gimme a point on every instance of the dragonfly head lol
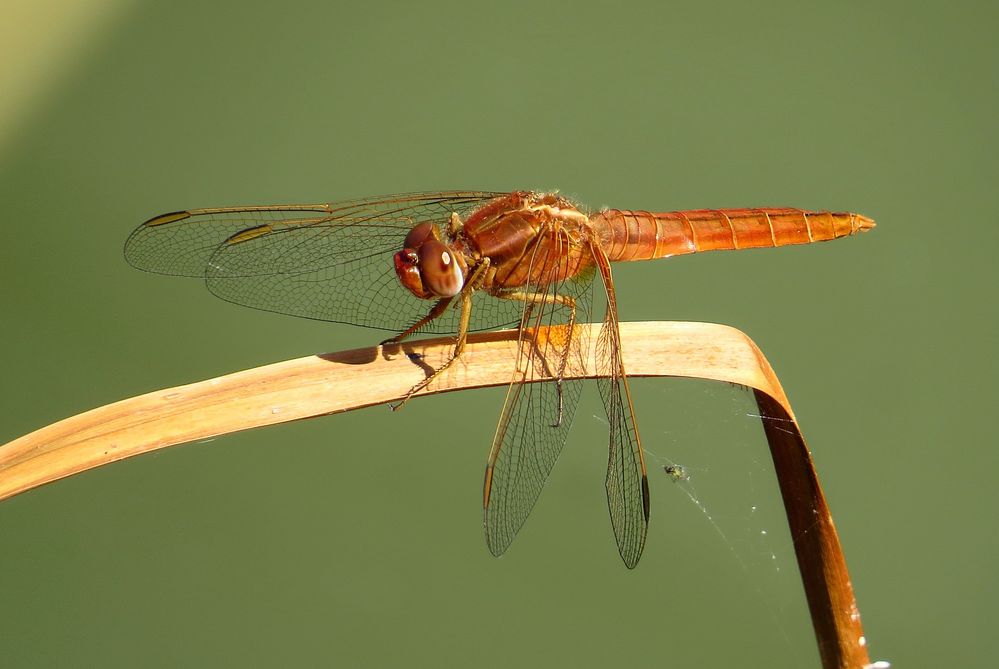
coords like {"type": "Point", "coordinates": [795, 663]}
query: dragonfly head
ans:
{"type": "Point", "coordinates": [426, 266]}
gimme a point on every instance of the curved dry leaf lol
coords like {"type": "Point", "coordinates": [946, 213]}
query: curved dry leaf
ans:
{"type": "Point", "coordinates": [336, 382]}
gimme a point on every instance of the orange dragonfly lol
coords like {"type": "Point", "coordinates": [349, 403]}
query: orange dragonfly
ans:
{"type": "Point", "coordinates": [456, 261]}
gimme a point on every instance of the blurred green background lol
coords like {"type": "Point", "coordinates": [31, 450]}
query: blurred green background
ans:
{"type": "Point", "coordinates": [356, 540]}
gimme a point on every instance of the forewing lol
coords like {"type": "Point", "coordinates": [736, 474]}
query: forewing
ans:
{"type": "Point", "coordinates": [330, 262]}
{"type": "Point", "coordinates": [536, 416]}
{"type": "Point", "coordinates": [627, 484]}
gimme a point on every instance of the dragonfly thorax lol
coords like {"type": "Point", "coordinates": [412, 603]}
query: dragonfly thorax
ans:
{"type": "Point", "coordinates": [427, 267]}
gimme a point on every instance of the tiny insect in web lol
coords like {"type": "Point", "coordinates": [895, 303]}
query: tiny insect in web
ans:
{"type": "Point", "coordinates": [676, 472]}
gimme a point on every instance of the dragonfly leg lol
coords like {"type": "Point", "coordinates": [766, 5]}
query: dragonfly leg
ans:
{"type": "Point", "coordinates": [466, 312]}
{"type": "Point", "coordinates": [439, 308]}
{"type": "Point", "coordinates": [533, 299]}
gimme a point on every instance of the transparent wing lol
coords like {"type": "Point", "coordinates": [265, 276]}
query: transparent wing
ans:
{"type": "Point", "coordinates": [330, 262]}
{"type": "Point", "coordinates": [536, 417]}
{"type": "Point", "coordinates": [627, 484]}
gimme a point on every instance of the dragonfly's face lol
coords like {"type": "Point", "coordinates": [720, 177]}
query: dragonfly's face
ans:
{"type": "Point", "coordinates": [426, 266]}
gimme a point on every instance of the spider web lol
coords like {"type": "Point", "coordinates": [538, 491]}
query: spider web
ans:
{"type": "Point", "coordinates": [715, 498]}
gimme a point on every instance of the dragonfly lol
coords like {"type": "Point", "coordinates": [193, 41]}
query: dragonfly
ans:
{"type": "Point", "coordinates": [453, 262]}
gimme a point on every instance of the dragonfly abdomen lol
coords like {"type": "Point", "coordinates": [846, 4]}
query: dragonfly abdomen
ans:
{"type": "Point", "coordinates": [642, 235]}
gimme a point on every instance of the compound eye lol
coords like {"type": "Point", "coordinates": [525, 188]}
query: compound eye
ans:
{"type": "Point", "coordinates": [420, 233]}
{"type": "Point", "coordinates": [439, 269]}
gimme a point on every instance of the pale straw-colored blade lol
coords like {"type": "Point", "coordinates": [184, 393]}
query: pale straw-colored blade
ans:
{"type": "Point", "coordinates": [336, 382]}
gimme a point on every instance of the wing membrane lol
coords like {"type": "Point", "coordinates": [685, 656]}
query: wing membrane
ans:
{"type": "Point", "coordinates": [536, 417]}
{"type": "Point", "coordinates": [627, 484]}
{"type": "Point", "coordinates": [330, 262]}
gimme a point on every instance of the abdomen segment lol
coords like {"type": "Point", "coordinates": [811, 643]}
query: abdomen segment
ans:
{"type": "Point", "coordinates": [643, 235]}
